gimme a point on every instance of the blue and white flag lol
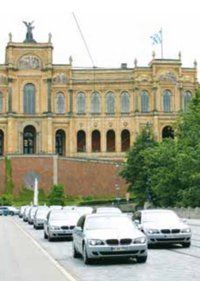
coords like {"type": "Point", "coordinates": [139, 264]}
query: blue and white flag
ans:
{"type": "Point", "coordinates": [157, 38]}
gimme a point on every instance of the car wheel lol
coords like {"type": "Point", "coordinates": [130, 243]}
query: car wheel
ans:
{"type": "Point", "coordinates": [85, 256]}
{"type": "Point", "coordinates": [45, 235]}
{"type": "Point", "coordinates": [186, 244]}
{"type": "Point", "coordinates": [76, 254]}
{"type": "Point", "coordinates": [142, 259]}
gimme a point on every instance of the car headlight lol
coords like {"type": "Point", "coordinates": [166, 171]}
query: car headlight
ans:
{"type": "Point", "coordinates": [54, 227]}
{"type": "Point", "coordinates": [152, 231]}
{"type": "Point", "coordinates": [95, 242]}
{"type": "Point", "coordinates": [139, 240]}
{"type": "Point", "coordinates": [186, 230]}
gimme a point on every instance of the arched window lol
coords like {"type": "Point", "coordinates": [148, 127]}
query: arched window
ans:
{"type": "Point", "coordinates": [167, 132]}
{"type": "Point", "coordinates": [96, 141]}
{"type": "Point", "coordinates": [60, 142]}
{"type": "Point", "coordinates": [60, 103]}
{"type": "Point", "coordinates": [29, 99]}
{"type": "Point", "coordinates": [80, 103]}
{"type": "Point", "coordinates": [1, 103]}
{"type": "Point", "coordinates": [125, 102]}
{"type": "Point", "coordinates": [187, 96]}
{"type": "Point", "coordinates": [95, 103]}
{"type": "Point", "coordinates": [29, 140]}
{"type": "Point", "coordinates": [110, 103]}
{"type": "Point", "coordinates": [144, 101]}
{"type": "Point", "coordinates": [81, 141]}
{"type": "Point", "coordinates": [110, 141]}
{"type": "Point", "coordinates": [167, 101]}
{"type": "Point", "coordinates": [125, 140]}
{"type": "Point", "coordinates": [1, 142]}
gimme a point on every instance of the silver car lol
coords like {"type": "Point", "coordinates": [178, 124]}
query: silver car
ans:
{"type": "Point", "coordinates": [99, 236]}
{"type": "Point", "coordinates": [40, 216]}
{"type": "Point", "coordinates": [163, 226]}
{"type": "Point", "coordinates": [60, 224]}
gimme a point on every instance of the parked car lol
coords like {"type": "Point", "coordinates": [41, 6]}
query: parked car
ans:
{"type": "Point", "coordinates": [163, 227]}
{"type": "Point", "coordinates": [31, 214]}
{"type": "Point", "coordinates": [99, 236]}
{"type": "Point", "coordinates": [40, 216]}
{"type": "Point", "coordinates": [4, 211]}
{"type": "Point", "coordinates": [13, 210]}
{"type": "Point", "coordinates": [25, 213]}
{"type": "Point", "coordinates": [113, 210]}
{"type": "Point", "coordinates": [60, 223]}
{"type": "Point", "coordinates": [21, 211]}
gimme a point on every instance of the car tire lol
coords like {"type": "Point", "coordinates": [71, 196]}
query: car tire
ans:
{"type": "Point", "coordinates": [186, 244]}
{"type": "Point", "coordinates": [50, 238]}
{"type": "Point", "coordinates": [85, 256]}
{"type": "Point", "coordinates": [76, 254]}
{"type": "Point", "coordinates": [142, 259]}
{"type": "Point", "coordinates": [45, 235]}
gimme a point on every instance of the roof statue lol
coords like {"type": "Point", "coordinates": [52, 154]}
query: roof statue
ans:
{"type": "Point", "coordinates": [29, 34]}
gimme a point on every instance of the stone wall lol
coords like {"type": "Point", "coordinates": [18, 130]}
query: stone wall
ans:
{"type": "Point", "coordinates": [80, 177]}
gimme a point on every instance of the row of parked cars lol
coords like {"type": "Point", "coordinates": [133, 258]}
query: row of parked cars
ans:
{"type": "Point", "coordinates": [107, 232]}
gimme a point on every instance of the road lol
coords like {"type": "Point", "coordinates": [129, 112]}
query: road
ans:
{"type": "Point", "coordinates": [31, 257]}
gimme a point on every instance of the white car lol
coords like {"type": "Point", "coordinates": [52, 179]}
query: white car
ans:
{"type": "Point", "coordinates": [163, 226]}
{"type": "Point", "coordinates": [60, 224]}
{"type": "Point", "coordinates": [98, 236]}
{"type": "Point", "coordinates": [40, 216]}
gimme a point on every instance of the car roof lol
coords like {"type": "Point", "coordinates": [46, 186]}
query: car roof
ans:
{"type": "Point", "coordinates": [98, 215]}
{"type": "Point", "coordinates": [156, 211]}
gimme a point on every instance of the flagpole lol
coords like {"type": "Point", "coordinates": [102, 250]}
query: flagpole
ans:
{"type": "Point", "coordinates": [161, 35]}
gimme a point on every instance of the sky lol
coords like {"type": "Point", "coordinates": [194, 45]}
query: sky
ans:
{"type": "Point", "coordinates": [115, 31]}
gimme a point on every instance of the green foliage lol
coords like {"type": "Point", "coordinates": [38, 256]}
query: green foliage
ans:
{"type": "Point", "coordinates": [6, 200]}
{"type": "Point", "coordinates": [25, 197]}
{"type": "Point", "coordinates": [8, 176]}
{"type": "Point", "coordinates": [56, 195]}
{"type": "Point", "coordinates": [135, 171]}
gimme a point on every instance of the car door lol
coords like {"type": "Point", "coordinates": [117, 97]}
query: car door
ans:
{"type": "Point", "coordinates": [79, 233]}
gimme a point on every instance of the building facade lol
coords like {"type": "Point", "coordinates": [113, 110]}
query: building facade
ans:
{"type": "Point", "coordinates": [49, 109]}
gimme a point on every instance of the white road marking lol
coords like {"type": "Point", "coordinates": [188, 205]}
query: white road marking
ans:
{"type": "Point", "coordinates": [58, 266]}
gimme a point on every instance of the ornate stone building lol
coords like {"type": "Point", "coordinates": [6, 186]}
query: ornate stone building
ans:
{"type": "Point", "coordinates": [48, 109]}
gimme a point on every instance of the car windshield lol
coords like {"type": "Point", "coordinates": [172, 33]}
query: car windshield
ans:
{"type": "Point", "coordinates": [42, 212]}
{"type": "Point", "coordinates": [160, 217]}
{"type": "Point", "coordinates": [63, 216]}
{"type": "Point", "coordinates": [108, 222]}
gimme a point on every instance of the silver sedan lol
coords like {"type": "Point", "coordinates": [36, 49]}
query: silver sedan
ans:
{"type": "Point", "coordinates": [163, 226]}
{"type": "Point", "coordinates": [99, 236]}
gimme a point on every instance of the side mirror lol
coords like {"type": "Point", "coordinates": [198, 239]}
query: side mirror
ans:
{"type": "Point", "coordinates": [78, 228]}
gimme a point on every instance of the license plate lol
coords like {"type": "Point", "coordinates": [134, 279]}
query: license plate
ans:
{"type": "Point", "coordinates": [119, 249]}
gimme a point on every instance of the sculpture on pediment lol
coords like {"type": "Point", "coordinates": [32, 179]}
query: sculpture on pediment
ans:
{"type": "Point", "coordinates": [60, 79]}
{"type": "Point", "coordinates": [29, 62]}
{"type": "Point", "coordinates": [29, 34]}
{"type": "Point", "coordinates": [168, 76]}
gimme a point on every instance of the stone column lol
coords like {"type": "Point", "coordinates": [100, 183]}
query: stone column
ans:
{"type": "Point", "coordinates": [136, 92]}
{"type": "Point", "coordinates": [10, 95]}
{"type": "Point", "coordinates": [155, 109]}
{"type": "Point", "coordinates": [49, 83]}
{"type": "Point", "coordinates": [70, 101]}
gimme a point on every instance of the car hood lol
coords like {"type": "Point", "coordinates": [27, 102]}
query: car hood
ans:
{"type": "Point", "coordinates": [63, 222]}
{"type": "Point", "coordinates": [164, 225]}
{"type": "Point", "coordinates": [113, 234]}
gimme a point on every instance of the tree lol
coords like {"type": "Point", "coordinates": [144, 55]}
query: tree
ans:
{"type": "Point", "coordinates": [57, 196]}
{"type": "Point", "coordinates": [135, 171]}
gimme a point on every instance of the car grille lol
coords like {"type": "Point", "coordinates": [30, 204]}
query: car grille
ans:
{"type": "Point", "coordinates": [168, 231]}
{"type": "Point", "coordinates": [126, 241]}
{"type": "Point", "coordinates": [169, 239]}
{"type": "Point", "coordinates": [112, 253]}
{"type": "Point", "coordinates": [66, 227]}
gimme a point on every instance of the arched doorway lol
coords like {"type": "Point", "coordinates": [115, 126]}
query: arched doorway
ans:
{"type": "Point", "coordinates": [60, 142]}
{"type": "Point", "coordinates": [29, 140]}
{"type": "Point", "coordinates": [81, 141]}
{"type": "Point", "coordinates": [96, 141]}
{"type": "Point", "coordinates": [125, 140]}
{"type": "Point", "coordinates": [167, 132]}
{"type": "Point", "coordinates": [1, 142]}
{"type": "Point", "coordinates": [110, 141]}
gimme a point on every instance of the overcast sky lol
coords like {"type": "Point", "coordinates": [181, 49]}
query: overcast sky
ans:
{"type": "Point", "coordinates": [115, 31]}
